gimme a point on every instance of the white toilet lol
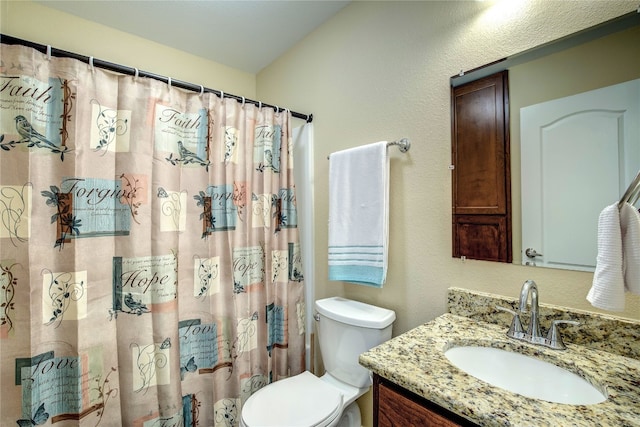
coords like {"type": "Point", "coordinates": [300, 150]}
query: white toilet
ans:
{"type": "Point", "coordinates": [345, 330]}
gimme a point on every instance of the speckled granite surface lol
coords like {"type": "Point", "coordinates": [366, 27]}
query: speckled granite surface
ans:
{"type": "Point", "coordinates": [415, 360]}
{"type": "Point", "coordinates": [598, 331]}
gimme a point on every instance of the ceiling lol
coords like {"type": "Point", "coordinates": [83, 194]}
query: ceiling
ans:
{"type": "Point", "coordinates": [243, 34]}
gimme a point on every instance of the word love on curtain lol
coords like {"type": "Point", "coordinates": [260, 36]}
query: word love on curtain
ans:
{"type": "Point", "coordinates": [150, 264]}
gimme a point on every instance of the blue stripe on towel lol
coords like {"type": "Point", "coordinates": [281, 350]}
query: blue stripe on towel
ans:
{"type": "Point", "coordinates": [371, 251]}
{"type": "Point", "coordinates": [357, 264]}
{"type": "Point", "coordinates": [361, 274]}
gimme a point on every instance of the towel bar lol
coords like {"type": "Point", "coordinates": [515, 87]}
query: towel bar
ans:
{"type": "Point", "coordinates": [632, 193]}
{"type": "Point", "coordinates": [403, 145]}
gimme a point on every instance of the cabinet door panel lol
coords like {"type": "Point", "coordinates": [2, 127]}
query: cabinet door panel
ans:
{"type": "Point", "coordinates": [480, 237]}
{"type": "Point", "coordinates": [396, 407]}
{"type": "Point", "coordinates": [479, 147]}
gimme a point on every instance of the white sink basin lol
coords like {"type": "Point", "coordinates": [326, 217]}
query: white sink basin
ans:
{"type": "Point", "coordinates": [524, 375]}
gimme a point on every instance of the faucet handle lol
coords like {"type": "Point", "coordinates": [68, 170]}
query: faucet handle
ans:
{"type": "Point", "coordinates": [508, 310]}
{"type": "Point", "coordinates": [516, 325]}
{"type": "Point", "coordinates": [554, 339]}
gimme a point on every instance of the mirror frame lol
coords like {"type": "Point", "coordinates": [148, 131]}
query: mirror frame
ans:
{"type": "Point", "coordinates": [612, 26]}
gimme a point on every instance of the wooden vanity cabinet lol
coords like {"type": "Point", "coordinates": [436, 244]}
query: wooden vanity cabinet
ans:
{"type": "Point", "coordinates": [394, 406]}
{"type": "Point", "coordinates": [481, 177]}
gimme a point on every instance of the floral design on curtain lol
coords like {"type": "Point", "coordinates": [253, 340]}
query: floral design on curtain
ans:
{"type": "Point", "coordinates": [150, 266]}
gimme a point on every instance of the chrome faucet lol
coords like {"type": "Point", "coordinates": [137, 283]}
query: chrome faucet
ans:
{"type": "Point", "coordinates": [530, 288]}
{"type": "Point", "coordinates": [533, 335]}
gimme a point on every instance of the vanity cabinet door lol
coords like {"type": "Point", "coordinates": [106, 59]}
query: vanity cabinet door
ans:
{"type": "Point", "coordinates": [481, 178]}
{"type": "Point", "coordinates": [472, 233]}
{"type": "Point", "coordinates": [396, 407]}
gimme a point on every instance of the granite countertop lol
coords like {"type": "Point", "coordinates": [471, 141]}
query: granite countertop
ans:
{"type": "Point", "coordinates": [415, 360]}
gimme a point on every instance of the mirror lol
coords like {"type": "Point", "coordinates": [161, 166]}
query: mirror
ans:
{"type": "Point", "coordinates": [603, 56]}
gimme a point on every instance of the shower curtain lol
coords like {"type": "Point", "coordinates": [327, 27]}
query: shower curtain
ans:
{"type": "Point", "coordinates": [150, 265]}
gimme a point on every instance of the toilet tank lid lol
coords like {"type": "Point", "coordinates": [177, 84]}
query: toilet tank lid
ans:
{"type": "Point", "coordinates": [355, 313]}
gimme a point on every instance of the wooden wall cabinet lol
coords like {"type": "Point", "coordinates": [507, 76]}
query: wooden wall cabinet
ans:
{"type": "Point", "coordinates": [394, 406]}
{"type": "Point", "coordinates": [481, 177]}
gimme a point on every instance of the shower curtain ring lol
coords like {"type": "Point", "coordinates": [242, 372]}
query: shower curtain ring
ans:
{"type": "Point", "coordinates": [91, 63]}
{"type": "Point", "coordinates": [243, 101]}
{"type": "Point", "coordinates": [169, 82]}
{"type": "Point", "coordinates": [48, 52]}
{"type": "Point", "coordinates": [201, 90]}
{"type": "Point", "coordinates": [136, 73]}
{"type": "Point", "coordinates": [259, 105]}
{"type": "Point", "coordinates": [222, 95]}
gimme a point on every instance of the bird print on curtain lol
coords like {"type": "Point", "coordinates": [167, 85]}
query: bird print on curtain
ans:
{"type": "Point", "coordinates": [149, 253]}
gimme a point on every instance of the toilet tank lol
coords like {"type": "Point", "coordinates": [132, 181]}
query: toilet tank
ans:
{"type": "Point", "coordinates": [347, 329]}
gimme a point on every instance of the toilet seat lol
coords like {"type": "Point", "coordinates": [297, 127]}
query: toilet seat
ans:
{"type": "Point", "coordinates": [300, 401]}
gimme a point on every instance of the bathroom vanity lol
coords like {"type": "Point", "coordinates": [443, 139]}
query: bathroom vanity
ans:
{"type": "Point", "coordinates": [415, 383]}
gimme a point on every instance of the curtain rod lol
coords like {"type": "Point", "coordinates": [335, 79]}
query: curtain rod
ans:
{"type": "Point", "coordinates": [123, 69]}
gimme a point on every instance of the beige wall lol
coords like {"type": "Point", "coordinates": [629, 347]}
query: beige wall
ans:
{"type": "Point", "coordinates": [377, 70]}
{"type": "Point", "coordinates": [34, 22]}
{"type": "Point", "coordinates": [380, 70]}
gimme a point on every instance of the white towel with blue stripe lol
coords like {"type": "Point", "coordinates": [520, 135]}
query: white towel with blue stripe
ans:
{"type": "Point", "coordinates": [359, 214]}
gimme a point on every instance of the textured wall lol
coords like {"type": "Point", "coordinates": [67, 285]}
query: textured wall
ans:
{"type": "Point", "coordinates": [380, 70]}
{"type": "Point", "coordinates": [377, 70]}
{"type": "Point", "coordinates": [37, 23]}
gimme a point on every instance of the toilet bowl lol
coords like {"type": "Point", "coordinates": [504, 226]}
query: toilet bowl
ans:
{"type": "Point", "coordinates": [346, 329]}
{"type": "Point", "coordinates": [303, 400]}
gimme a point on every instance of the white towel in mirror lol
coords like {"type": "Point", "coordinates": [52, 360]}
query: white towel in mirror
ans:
{"type": "Point", "coordinates": [630, 229]}
{"type": "Point", "coordinates": [618, 262]}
